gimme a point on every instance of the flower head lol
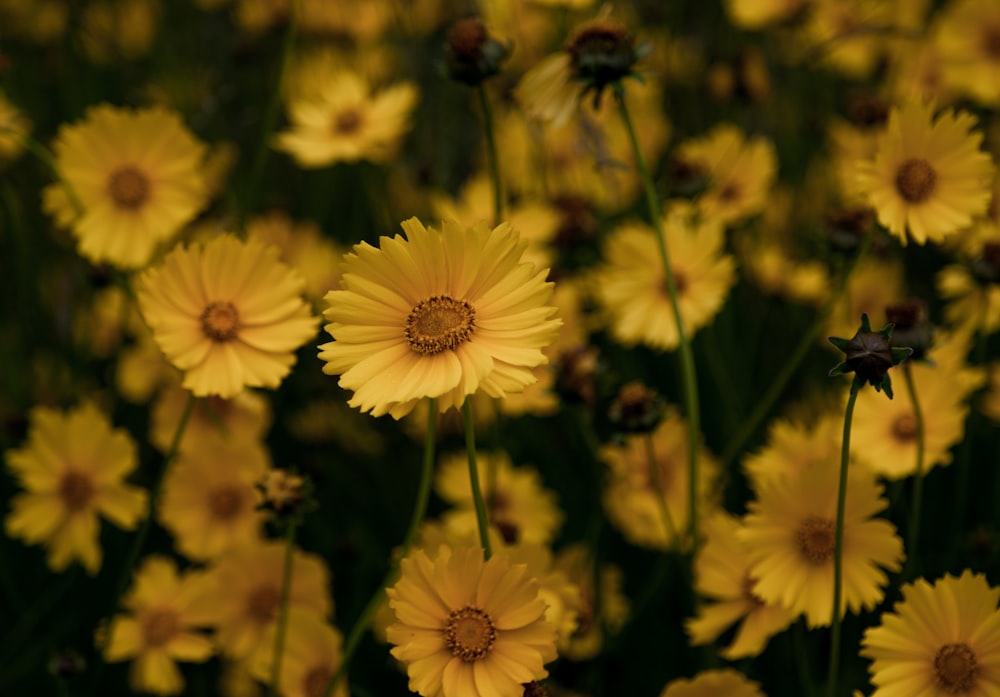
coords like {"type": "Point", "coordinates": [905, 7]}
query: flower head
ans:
{"type": "Point", "coordinates": [437, 314]}
{"type": "Point", "coordinates": [710, 683]}
{"type": "Point", "coordinates": [472, 54]}
{"type": "Point", "coordinates": [869, 355]}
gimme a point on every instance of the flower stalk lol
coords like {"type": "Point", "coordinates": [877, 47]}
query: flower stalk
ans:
{"type": "Point", "coordinates": [477, 492]}
{"type": "Point", "coordinates": [286, 591]}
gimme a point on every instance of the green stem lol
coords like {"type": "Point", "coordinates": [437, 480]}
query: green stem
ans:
{"type": "Point", "coordinates": [282, 626]}
{"type": "Point", "coordinates": [477, 492]}
{"type": "Point", "coordinates": [838, 540]}
{"type": "Point", "coordinates": [42, 154]}
{"type": "Point", "coordinates": [918, 481]}
{"type": "Point", "coordinates": [419, 509]}
{"type": "Point", "coordinates": [491, 154]}
{"type": "Point", "coordinates": [690, 378]}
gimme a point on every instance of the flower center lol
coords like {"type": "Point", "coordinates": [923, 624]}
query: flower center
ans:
{"type": "Point", "coordinates": [159, 627]}
{"type": "Point", "coordinates": [916, 180]}
{"type": "Point", "coordinates": [220, 321]}
{"type": "Point", "coordinates": [262, 604]}
{"type": "Point", "coordinates": [76, 490]}
{"type": "Point", "coordinates": [469, 633]}
{"type": "Point", "coordinates": [815, 538]}
{"type": "Point", "coordinates": [128, 187]}
{"type": "Point", "coordinates": [225, 503]}
{"type": "Point", "coordinates": [731, 192]}
{"type": "Point", "coordinates": [991, 41]}
{"type": "Point", "coordinates": [955, 668]}
{"type": "Point", "coordinates": [315, 682]}
{"type": "Point", "coordinates": [904, 428]}
{"type": "Point", "coordinates": [347, 122]}
{"type": "Point", "coordinates": [439, 323]}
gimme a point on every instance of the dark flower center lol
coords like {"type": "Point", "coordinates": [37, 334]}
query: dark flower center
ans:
{"type": "Point", "coordinates": [76, 490]}
{"type": "Point", "coordinates": [128, 187]}
{"type": "Point", "coordinates": [439, 323]}
{"type": "Point", "coordinates": [347, 122]}
{"type": "Point", "coordinates": [315, 682]}
{"type": "Point", "coordinates": [815, 538]}
{"type": "Point", "coordinates": [955, 668]}
{"type": "Point", "coordinates": [904, 428]}
{"type": "Point", "coordinates": [225, 503]}
{"type": "Point", "coordinates": [262, 603]}
{"type": "Point", "coordinates": [159, 627]}
{"type": "Point", "coordinates": [916, 180]}
{"type": "Point", "coordinates": [469, 633]}
{"type": "Point", "coordinates": [220, 321]}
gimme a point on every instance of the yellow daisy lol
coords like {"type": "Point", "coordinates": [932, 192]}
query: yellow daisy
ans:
{"type": "Point", "coordinates": [713, 683]}
{"type": "Point", "coordinates": [159, 628]}
{"type": "Point", "coordinates": [245, 417]}
{"type": "Point", "coordinates": [789, 537]}
{"type": "Point", "coordinates": [347, 122]}
{"type": "Point", "coordinates": [593, 620]}
{"type": "Point", "coordinates": [967, 37]}
{"type": "Point", "coordinates": [135, 175]}
{"type": "Point", "coordinates": [227, 313]}
{"type": "Point", "coordinates": [758, 14]}
{"type": "Point", "coordinates": [941, 640]}
{"type": "Point", "coordinates": [14, 127]}
{"type": "Point", "coordinates": [72, 467]}
{"type": "Point", "coordinates": [437, 314]}
{"type": "Point", "coordinates": [928, 177]}
{"type": "Point", "coordinates": [793, 446]}
{"type": "Point", "coordinates": [632, 285]}
{"type": "Point", "coordinates": [312, 655]}
{"type": "Point", "coordinates": [467, 627]}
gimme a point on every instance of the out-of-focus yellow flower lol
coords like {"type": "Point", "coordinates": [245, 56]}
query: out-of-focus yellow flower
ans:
{"type": "Point", "coordinates": [874, 285]}
{"type": "Point", "coordinates": [119, 30]}
{"type": "Point", "coordinates": [14, 128]}
{"type": "Point", "coordinates": [593, 620]}
{"type": "Point", "coordinates": [246, 416]}
{"type": "Point", "coordinates": [758, 14]}
{"type": "Point", "coordinates": [972, 289]}
{"type": "Point", "coordinates": [793, 447]}
{"type": "Point", "coordinates": [303, 247]}
{"type": "Point", "coordinates": [845, 33]}
{"type": "Point", "coordinates": [72, 468]}
{"type": "Point", "coordinates": [312, 656]}
{"type": "Point", "coordinates": [966, 35]}
{"type": "Point", "coordinates": [713, 683]}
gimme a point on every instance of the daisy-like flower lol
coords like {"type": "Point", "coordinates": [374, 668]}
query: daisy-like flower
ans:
{"type": "Point", "coordinates": [593, 619]}
{"type": "Point", "coordinates": [347, 122]}
{"type": "Point", "coordinates": [793, 447]}
{"type": "Point", "coordinates": [469, 628]}
{"type": "Point", "coordinates": [789, 537]}
{"type": "Point", "coordinates": [72, 467]}
{"type": "Point", "coordinates": [245, 417]}
{"type": "Point", "coordinates": [758, 14]}
{"type": "Point", "coordinates": [929, 177]}
{"type": "Point", "coordinates": [967, 38]}
{"type": "Point", "coordinates": [940, 640]}
{"type": "Point", "coordinates": [713, 683]}
{"type": "Point", "coordinates": [159, 628]}
{"type": "Point", "coordinates": [437, 314]}
{"type": "Point", "coordinates": [14, 127]}
{"type": "Point", "coordinates": [134, 179]}
{"type": "Point", "coordinates": [312, 656]}
{"type": "Point", "coordinates": [632, 284]}
{"type": "Point", "coordinates": [228, 313]}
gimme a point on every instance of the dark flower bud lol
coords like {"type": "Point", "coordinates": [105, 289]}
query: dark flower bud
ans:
{"type": "Point", "coordinates": [636, 409]}
{"type": "Point", "coordinates": [869, 355]}
{"type": "Point", "coordinates": [472, 54]}
{"type": "Point", "coordinates": [576, 375]}
{"type": "Point", "coordinates": [868, 111]}
{"type": "Point", "coordinates": [284, 494]}
{"type": "Point", "coordinates": [66, 664]}
{"type": "Point", "coordinates": [534, 689]}
{"type": "Point", "coordinates": [602, 53]}
{"type": "Point", "coordinates": [911, 326]}
{"type": "Point", "coordinates": [986, 267]}
{"type": "Point", "coordinates": [847, 227]}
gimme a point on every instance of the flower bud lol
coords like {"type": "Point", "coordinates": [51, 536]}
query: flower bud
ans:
{"type": "Point", "coordinates": [869, 355]}
{"type": "Point", "coordinates": [472, 54]}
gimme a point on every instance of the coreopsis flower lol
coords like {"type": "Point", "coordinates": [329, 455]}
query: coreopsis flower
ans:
{"type": "Point", "coordinates": [636, 494]}
{"type": "Point", "coordinates": [209, 501]}
{"type": "Point", "coordinates": [347, 121]}
{"type": "Point", "coordinates": [134, 180]}
{"type": "Point", "coordinates": [598, 614]}
{"type": "Point", "coordinates": [245, 417]}
{"type": "Point", "coordinates": [304, 248]}
{"type": "Point", "coordinates": [631, 284]}
{"type": "Point", "coordinates": [516, 501]}
{"type": "Point", "coordinates": [874, 285]}
{"type": "Point", "coordinates": [965, 36]}
{"type": "Point", "coordinates": [793, 446]}
{"type": "Point", "coordinates": [940, 640]}
{"type": "Point", "coordinates": [972, 289]}
{"type": "Point", "coordinates": [116, 31]}
{"type": "Point", "coordinates": [72, 467]}
{"type": "Point", "coordinates": [722, 575]}
{"type": "Point", "coordinates": [437, 314]}
{"type": "Point", "coordinates": [472, 55]}
{"type": "Point", "coordinates": [758, 14]}
{"type": "Point", "coordinates": [467, 627]}
{"type": "Point", "coordinates": [228, 313]}
{"type": "Point", "coordinates": [836, 29]}
{"type": "Point", "coordinates": [739, 172]}
{"type": "Point", "coordinates": [159, 628]}
{"type": "Point", "coordinates": [989, 405]}
{"type": "Point", "coordinates": [788, 533]}
{"type": "Point", "coordinates": [713, 683]}
{"type": "Point", "coordinates": [869, 355]}
{"type": "Point", "coordinates": [928, 178]}
{"type": "Point", "coordinates": [313, 654]}
{"type": "Point", "coordinates": [14, 127]}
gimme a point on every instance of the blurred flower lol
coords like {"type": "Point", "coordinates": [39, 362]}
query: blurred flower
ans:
{"type": "Point", "coordinates": [159, 628]}
{"type": "Point", "coordinates": [437, 314]}
{"type": "Point", "coordinates": [72, 468]}
{"type": "Point", "coordinates": [722, 575]}
{"type": "Point", "coordinates": [966, 35]}
{"type": "Point", "coordinates": [14, 128]}
{"type": "Point", "coordinates": [972, 289]}
{"type": "Point", "coordinates": [789, 537]}
{"type": "Point", "coordinates": [874, 285]}
{"type": "Point", "coordinates": [560, 593]}
{"type": "Point", "coordinates": [758, 14]}
{"type": "Point", "coordinates": [111, 32]}
{"type": "Point", "coordinates": [928, 177]}
{"type": "Point", "coordinates": [632, 285]}
{"type": "Point", "coordinates": [597, 614]}
{"type": "Point", "coordinates": [472, 55]}
{"type": "Point", "coordinates": [313, 654]}
{"type": "Point", "coordinates": [793, 447]}
{"type": "Point", "coordinates": [713, 683]}
{"type": "Point", "coordinates": [469, 628]}
{"type": "Point", "coordinates": [228, 313]}
{"type": "Point", "coordinates": [347, 122]}
{"type": "Point", "coordinates": [134, 180]}
{"type": "Point", "coordinates": [846, 34]}
{"type": "Point", "coordinates": [990, 403]}
{"type": "Point", "coordinates": [244, 417]}
{"type": "Point", "coordinates": [940, 640]}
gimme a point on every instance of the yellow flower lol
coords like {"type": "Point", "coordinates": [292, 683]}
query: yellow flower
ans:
{"type": "Point", "coordinates": [789, 536]}
{"type": "Point", "coordinates": [72, 467]}
{"type": "Point", "coordinates": [135, 175]}
{"type": "Point", "coordinates": [713, 683]}
{"type": "Point", "coordinates": [346, 122]}
{"type": "Point", "coordinates": [209, 496]}
{"type": "Point", "coordinates": [722, 573]}
{"type": "Point", "coordinates": [437, 314]}
{"type": "Point", "coordinates": [793, 447]}
{"type": "Point", "coordinates": [965, 36]}
{"type": "Point", "coordinates": [228, 313]}
{"type": "Point", "coordinates": [469, 628]}
{"type": "Point", "coordinates": [515, 501]}
{"type": "Point", "coordinates": [247, 416]}
{"type": "Point", "coordinates": [928, 177]}
{"type": "Point", "coordinates": [593, 620]}
{"type": "Point", "coordinates": [158, 630]}
{"type": "Point", "coordinates": [758, 14]}
{"type": "Point", "coordinates": [940, 640]}
{"type": "Point", "coordinates": [312, 655]}
{"type": "Point", "coordinates": [113, 31]}
{"type": "Point", "coordinates": [632, 284]}
{"type": "Point", "coordinates": [990, 403]}
{"type": "Point", "coordinates": [14, 127]}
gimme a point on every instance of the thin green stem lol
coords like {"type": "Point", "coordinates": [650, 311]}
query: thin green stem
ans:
{"type": "Point", "coordinates": [690, 378]}
{"type": "Point", "coordinates": [477, 492]}
{"type": "Point", "coordinates": [918, 476]}
{"type": "Point", "coordinates": [282, 626]}
{"type": "Point", "coordinates": [491, 154]}
{"type": "Point", "coordinates": [838, 540]}
{"type": "Point", "coordinates": [419, 509]}
{"type": "Point", "coordinates": [42, 154]}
